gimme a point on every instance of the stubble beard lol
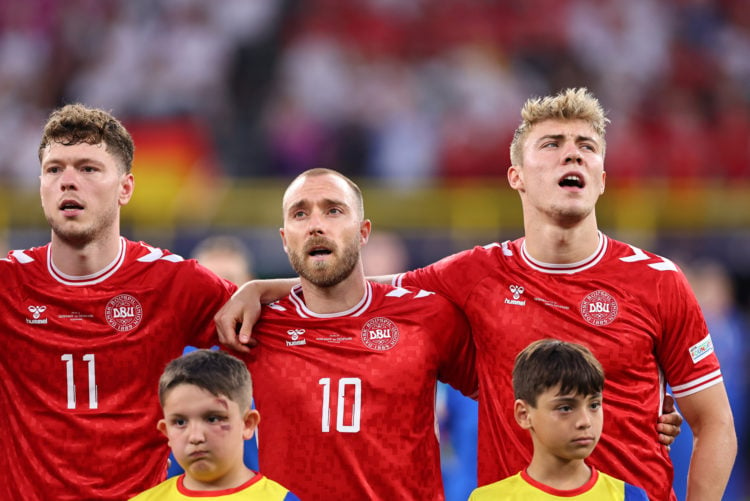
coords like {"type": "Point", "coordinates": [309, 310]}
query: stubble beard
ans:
{"type": "Point", "coordinates": [77, 235]}
{"type": "Point", "coordinates": [324, 274]}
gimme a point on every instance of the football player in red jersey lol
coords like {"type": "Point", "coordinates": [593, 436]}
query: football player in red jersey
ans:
{"type": "Point", "coordinates": [89, 322]}
{"type": "Point", "coordinates": [346, 370]}
{"type": "Point", "coordinates": [632, 308]}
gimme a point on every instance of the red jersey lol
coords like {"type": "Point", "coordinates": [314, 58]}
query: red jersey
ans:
{"type": "Point", "coordinates": [633, 309]}
{"type": "Point", "coordinates": [347, 400]}
{"type": "Point", "coordinates": [80, 361]}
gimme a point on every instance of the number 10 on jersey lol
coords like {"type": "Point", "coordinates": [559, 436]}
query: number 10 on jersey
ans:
{"type": "Point", "coordinates": [348, 401]}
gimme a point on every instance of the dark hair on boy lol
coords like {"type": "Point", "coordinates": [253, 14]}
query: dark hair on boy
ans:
{"type": "Point", "coordinates": [217, 372]}
{"type": "Point", "coordinates": [548, 362]}
{"type": "Point", "coordinates": [75, 123]}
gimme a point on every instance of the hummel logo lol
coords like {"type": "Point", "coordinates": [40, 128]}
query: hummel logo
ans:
{"type": "Point", "coordinates": [516, 290]}
{"type": "Point", "coordinates": [36, 312]}
{"type": "Point", "coordinates": [295, 335]}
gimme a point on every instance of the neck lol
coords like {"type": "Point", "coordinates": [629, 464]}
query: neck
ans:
{"type": "Point", "coordinates": [559, 473]}
{"type": "Point", "coordinates": [554, 244]}
{"type": "Point", "coordinates": [85, 259]}
{"type": "Point", "coordinates": [337, 298]}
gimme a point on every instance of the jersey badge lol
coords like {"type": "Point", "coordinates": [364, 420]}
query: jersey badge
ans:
{"type": "Point", "coordinates": [124, 312]}
{"type": "Point", "coordinates": [702, 349]}
{"type": "Point", "coordinates": [517, 291]}
{"type": "Point", "coordinates": [36, 314]}
{"type": "Point", "coordinates": [380, 334]}
{"type": "Point", "coordinates": [295, 337]}
{"type": "Point", "coordinates": [599, 308]}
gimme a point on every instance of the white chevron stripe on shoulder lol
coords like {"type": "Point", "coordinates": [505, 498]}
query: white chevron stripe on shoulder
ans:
{"type": "Point", "coordinates": [665, 265]}
{"type": "Point", "coordinates": [638, 255]}
{"type": "Point", "coordinates": [153, 255]}
{"type": "Point", "coordinates": [423, 293]}
{"type": "Point", "coordinates": [21, 257]}
{"type": "Point", "coordinates": [398, 292]}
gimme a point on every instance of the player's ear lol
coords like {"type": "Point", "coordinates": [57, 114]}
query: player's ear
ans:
{"type": "Point", "coordinates": [283, 240]}
{"type": "Point", "coordinates": [365, 227]}
{"type": "Point", "coordinates": [162, 427]}
{"type": "Point", "coordinates": [251, 420]}
{"type": "Point", "coordinates": [515, 177]}
{"type": "Point", "coordinates": [521, 413]}
{"type": "Point", "coordinates": [127, 185]}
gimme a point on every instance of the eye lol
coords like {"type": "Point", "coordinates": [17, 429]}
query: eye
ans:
{"type": "Point", "coordinates": [596, 405]}
{"type": "Point", "coordinates": [335, 210]}
{"type": "Point", "coordinates": [549, 144]}
{"type": "Point", "coordinates": [179, 422]}
{"type": "Point", "coordinates": [215, 419]}
{"type": "Point", "coordinates": [52, 170]}
{"type": "Point", "coordinates": [589, 147]}
{"type": "Point", "coordinates": [298, 214]}
{"type": "Point", "coordinates": [88, 168]}
{"type": "Point", "coordinates": [564, 408]}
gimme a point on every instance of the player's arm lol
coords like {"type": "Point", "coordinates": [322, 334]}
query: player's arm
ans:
{"type": "Point", "coordinates": [714, 442]}
{"type": "Point", "coordinates": [243, 310]}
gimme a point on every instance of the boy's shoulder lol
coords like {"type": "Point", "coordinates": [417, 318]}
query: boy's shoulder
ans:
{"type": "Point", "coordinates": [259, 488]}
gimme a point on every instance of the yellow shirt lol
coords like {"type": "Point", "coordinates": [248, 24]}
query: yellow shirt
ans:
{"type": "Point", "coordinates": [521, 487]}
{"type": "Point", "coordinates": [258, 488]}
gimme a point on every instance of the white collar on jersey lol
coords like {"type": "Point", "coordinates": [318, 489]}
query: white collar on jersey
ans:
{"type": "Point", "coordinates": [303, 311]}
{"type": "Point", "coordinates": [91, 279]}
{"type": "Point", "coordinates": [585, 264]}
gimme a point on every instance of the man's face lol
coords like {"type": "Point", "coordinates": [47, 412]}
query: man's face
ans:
{"type": "Point", "coordinates": [206, 433]}
{"type": "Point", "coordinates": [323, 231]}
{"type": "Point", "coordinates": [82, 189]}
{"type": "Point", "coordinates": [562, 175]}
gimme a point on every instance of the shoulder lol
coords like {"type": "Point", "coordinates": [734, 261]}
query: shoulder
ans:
{"type": "Point", "coordinates": [141, 252]}
{"type": "Point", "coordinates": [166, 490]}
{"type": "Point", "coordinates": [648, 261]}
{"type": "Point", "coordinates": [511, 485]}
{"type": "Point", "coordinates": [25, 256]}
{"type": "Point", "coordinates": [408, 296]}
{"type": "Point", "coordinates": [615, 485]}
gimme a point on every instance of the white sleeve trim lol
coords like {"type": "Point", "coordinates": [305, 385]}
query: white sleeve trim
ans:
{"type": "Point", "coordinates": [697, 385]}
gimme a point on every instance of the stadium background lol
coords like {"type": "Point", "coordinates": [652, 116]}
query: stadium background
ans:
{"type": "Point", "coordinates": [414, 99]}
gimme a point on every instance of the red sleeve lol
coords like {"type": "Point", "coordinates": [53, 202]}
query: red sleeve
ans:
{"type": "Point", "coordinates": [204, 293]}
{"type": "Point", "coordinates": [684, 350]}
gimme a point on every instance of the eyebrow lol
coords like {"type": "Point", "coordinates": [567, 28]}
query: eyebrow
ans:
{"type": "Point", "coordinates": [559, 137]}
{"type": "Point", "coordinates": [325, 202]}
{"type": "Point", "coordinates": [79, 161]}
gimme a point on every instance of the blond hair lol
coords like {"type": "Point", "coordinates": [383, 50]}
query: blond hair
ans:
{"type": "Point", "coordinates": [569, 104]}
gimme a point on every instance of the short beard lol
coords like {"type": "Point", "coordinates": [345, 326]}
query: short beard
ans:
{"type": "Point", "coordinates": [80, 238]}
{"type": "Point", "coordinates": [322, 274]}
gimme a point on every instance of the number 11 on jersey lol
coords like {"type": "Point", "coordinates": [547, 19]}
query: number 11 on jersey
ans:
{"type": "Point", "coordinates": [93, 397]}
{"type": "Point", "coordinates": [341, 404]}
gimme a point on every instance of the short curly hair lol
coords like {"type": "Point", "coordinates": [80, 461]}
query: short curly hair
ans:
{"type": "Point", "coordinates": [76, 123]}
{"type": "Point", "coordinates": [569, 104]}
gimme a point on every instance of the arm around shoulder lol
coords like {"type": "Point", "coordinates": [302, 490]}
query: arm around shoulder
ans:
{"type": "Point", "coordinates": [235, 320]}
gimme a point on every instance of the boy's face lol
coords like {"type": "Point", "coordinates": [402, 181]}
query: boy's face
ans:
{"type": "Point", "coordinates": [206, 434]}
{"type": "Point", "coordinates": [565, 426]}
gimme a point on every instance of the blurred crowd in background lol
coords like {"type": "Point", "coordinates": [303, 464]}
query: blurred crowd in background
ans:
{"type": "Point", "coordinates": [405, 92]}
